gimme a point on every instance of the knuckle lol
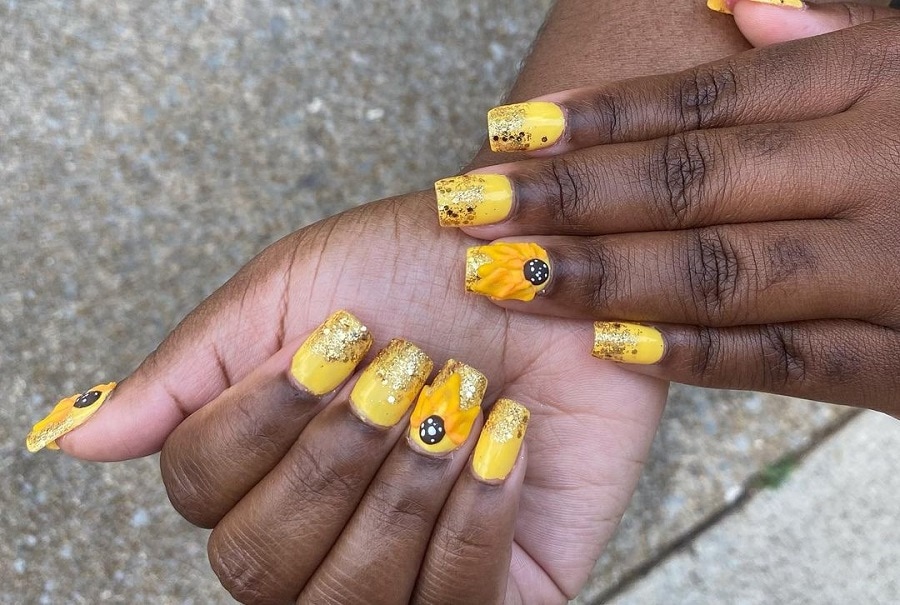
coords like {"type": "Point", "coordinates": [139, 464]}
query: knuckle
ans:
{"type": "Point", "coordinates": [784, 355]}
{"type": "Point", "coordinates": [566, 186]}
{"type": "Point", "coordinates": [609, 119]}
{"type": "Point", "coordinates": [857, 14]}
{"type": "Point", "coordinates": [705, 96]}
{"type": "Point", "coordinates": [397, 511]}
{"type": "Point", "coordinates": [679, 172]}
{"type": "Point", "coordinates": [599, 270]}
{"type": "Point", "coordinates": [707, 351]}
{"type": "Point", "coordinates": [233, 559]}
{"type": "Point", "coordinates": [319, 477]}
{"type": "Point", "coordinates": [714, 274]}
{"type": "Point", "coordinates": [187, 485]}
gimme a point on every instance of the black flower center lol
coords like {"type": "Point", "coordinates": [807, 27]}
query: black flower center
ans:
{"type": "Point", "coordinates": [537, 271]}
{"type": "Point", "coordinates": [431, 430]}
{"type": "Point", "coordinates": [87, 399]}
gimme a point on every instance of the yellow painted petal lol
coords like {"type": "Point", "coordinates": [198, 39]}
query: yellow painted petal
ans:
{"type": "Point", "coordinates": [66, 416]}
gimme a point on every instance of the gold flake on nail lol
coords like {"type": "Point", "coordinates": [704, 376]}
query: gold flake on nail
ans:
{"type": "Point", "coordinates": [627, 342]}
{"type": "Point", "coordinates": [390, 384]}
{"type": "Point", "coordinates": [331, 353]}
{"type": "Point", "coordinates": [473, 199]}
{"type": "Point", "coordinates": [524, 126]}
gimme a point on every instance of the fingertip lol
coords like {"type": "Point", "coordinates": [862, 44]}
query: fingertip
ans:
{"type": "Point", "coordinates": [133, 423]}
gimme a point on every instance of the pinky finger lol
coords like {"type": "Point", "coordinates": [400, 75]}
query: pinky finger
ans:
{"type": "Point", "coordinates": [838, 361]}
{"type": "Point", "coordinates": [469, 555]}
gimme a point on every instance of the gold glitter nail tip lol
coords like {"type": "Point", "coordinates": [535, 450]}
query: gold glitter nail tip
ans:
{"type": "Point", "coordinates": [473, 199]}
{"type": "Point", "coordinates": [331, 353]}
{"type": "Point", "coordinates": [500, 440]}
{"type": "Point", "coordinates": [525, 126]}
{"type": "Point", "coordinates": [390, 384]}
{"type": "Point", "coordinates": [66, 416]}
{"type": "Point", "coordinates": [628, 342]}
{"type": "Point", "coordinates": [446, 410]}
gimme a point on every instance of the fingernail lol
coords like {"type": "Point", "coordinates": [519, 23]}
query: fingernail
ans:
{"type": "Point", "coordinates": [331, 353]}
{"type": "Point", "coordinates": [390, 384]}
{"type": "Point", "coordinates": [726, 6]}
{"type": "Point", "coordinates": [507, 271]}
{"type": "Point", "coordinates": [628, 342]}
{"type": "Point", "coordinates": [446, 410]}
{"type": "Point", "coordinates": [500, 441]}
{"type": "Point", "coordinates": [720, 6]}
{"type": "Point", "coordinates": [525, 126]}
{"type": "Point", "coordinates": [474, 199]}
{"type": "Point", "coordinates": [66, 416]}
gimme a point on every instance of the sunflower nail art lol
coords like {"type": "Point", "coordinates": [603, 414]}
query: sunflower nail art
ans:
{"type": "Point", "coordinates": [507, 271]}
{"type": "Point", "coordinates": [66, 416]}
{"type": "Point", "coordinates": [446, 410]}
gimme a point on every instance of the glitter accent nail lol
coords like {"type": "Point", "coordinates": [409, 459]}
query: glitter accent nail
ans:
{"type": "Point", "coordinates": [500, 440]}
{"type": "Point", "coordinates": [627, 342]}
{"type": "Point", "coordinates": [473, 199]}
{"type": "Point", "coordinates": [525, 126]}
{"type": "Point", "coordinates": [391, 383]}
{"type": "Point", "coordinates": [331, 353]}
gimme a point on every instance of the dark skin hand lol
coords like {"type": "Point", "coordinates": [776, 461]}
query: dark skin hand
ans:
{"type": "Point", "coordinates": [746, 208]}
{"type": "Point", "coordinates": [309, 503]}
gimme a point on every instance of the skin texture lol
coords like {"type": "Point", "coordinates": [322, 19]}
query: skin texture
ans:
{"type": "Point", "coordinates": [309, 502]}
{"type": "Point", "coordinates": [759, 190]}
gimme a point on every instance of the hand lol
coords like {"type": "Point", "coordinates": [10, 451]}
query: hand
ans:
{"type": "Point", "coordinates": [747, 208]}
{"type": "Point", "coordinates": [265, 466]}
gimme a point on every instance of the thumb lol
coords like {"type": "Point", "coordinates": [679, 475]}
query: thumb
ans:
{"type": "Point", "coordinates": [765, 22]}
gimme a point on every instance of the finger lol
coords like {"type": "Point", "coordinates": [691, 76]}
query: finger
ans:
{"type": "Point", "coordinates": [764, 24]}
{"type": "Point", "coordinates": [393, 523]}
{"type": "Point", "coordinates": [468, 559]}
{"type": "Point", "coordinates": [840, 361]}
{"type": "Point", "coordinates": [213, 458]}
{"type": "Point", "coordinates": [714, 276]}
{"type": "Point", "coordinates": [200, 358]}
{"type": "Point", "coordinates": [314, 489]}
{"type": "Point", "coordinates": [699, 178]}
{"type": "Point", "coordinates": [788, 82]}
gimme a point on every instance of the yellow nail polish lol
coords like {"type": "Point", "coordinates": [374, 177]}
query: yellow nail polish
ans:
{"type": "Point", "coordinates": [446, 410]}
{"type": "Point", "coordinates": [628, 342]}
{"type": "Point", "coordinates": [722, 7]}
{"type": "Point", "coordinates": [500, 441]}
{"type": "Point", "coordinates": [507, 271]}
{"type": "Point", "coordinates": [331, 353]}
{"type": "Point", "coordinates": [524, 126]}
{"type": "Point", "coordinates": [67, 415]}
{"type": "Point", "coordinates": [473, 199]}
{"type": "Point", "coordinates": [390, 384]}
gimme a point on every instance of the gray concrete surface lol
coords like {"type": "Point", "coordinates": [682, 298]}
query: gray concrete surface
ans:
{"type": "Point", "coordinates": [149, 148]}
{"type": "Point", "coordinates": [827, 535]}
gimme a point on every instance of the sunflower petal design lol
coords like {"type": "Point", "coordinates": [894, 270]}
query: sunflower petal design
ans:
{"type": "Point", "coordinates": [507, 270]}
{"type": "Point", "coordinates": [66, 416]}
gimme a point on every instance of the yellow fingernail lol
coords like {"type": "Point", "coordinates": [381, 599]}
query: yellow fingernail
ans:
{"type": "Point", "coordinates": [474, 199]}
{"type": "Point", "coordinates": [447, 409]}
{"type": "Point", "coordinates": [524, 126]}
{"type": "Point", "coordinates": [67, 415]}
{"type": "Point", "coordinates": [331, 353]}
{"type": "Point", "coordinates": [500, 441]}
{"type": "Point", "coordinates": [390, 384]}
{"type": "Point", "coordinates": [720, 6]}
{"type": "Point", "coordinates": [628, 342]}
{"type": "Point", "coordinates": [505, 270]}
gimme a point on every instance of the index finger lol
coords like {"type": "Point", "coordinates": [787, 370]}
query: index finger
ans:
{"type": "Point", "coordinates": [795, 81]}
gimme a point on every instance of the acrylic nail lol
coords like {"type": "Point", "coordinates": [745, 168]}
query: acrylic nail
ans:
{"type": "Point", "coordinates": [473, 199]}
{"type": "Point", "coordinates": [628, 342]}
{"type": "Point", "coordinates": [331, 353]}
{"type": "Point", "coordinates": [525, 126]}
{"type": "Point", "coordinates": [500, 441]}
{"type": "Point", "coordinates": [389, 385]}
{"type": "Point", "coordinates": [66, 416]}
{"type": "Point", "coordinates": [507, 270]}
{"type": "Point", "coordinates": [446, 410]}
{"type": "Point", "coordinates": [726, 6]}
